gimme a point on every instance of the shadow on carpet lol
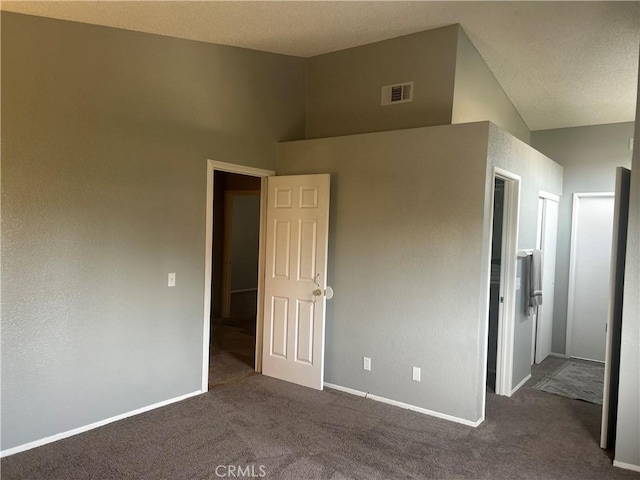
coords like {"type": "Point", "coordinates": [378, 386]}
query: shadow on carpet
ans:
{"type": "Point", "coordinates": [577, 380]}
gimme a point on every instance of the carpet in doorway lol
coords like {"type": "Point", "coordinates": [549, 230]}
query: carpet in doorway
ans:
{"type": "Point", "coordinates": [577, 380]}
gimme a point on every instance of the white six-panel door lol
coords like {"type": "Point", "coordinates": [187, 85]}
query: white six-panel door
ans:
{"type": "Point", "coordinates": [295, 278]}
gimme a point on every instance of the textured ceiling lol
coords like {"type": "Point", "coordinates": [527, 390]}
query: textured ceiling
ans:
{"type": "Point", "coordinates": [561, 63]}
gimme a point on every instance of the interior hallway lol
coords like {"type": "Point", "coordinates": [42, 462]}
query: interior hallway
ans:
{"type": "Point", "coordinates": [233, 342]}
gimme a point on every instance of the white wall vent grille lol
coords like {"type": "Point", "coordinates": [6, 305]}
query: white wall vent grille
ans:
{"type": "Point", "coordinates": [400, 93]}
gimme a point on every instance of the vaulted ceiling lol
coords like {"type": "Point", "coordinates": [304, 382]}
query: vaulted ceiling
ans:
{"type": "Point", "coordinates": [562, 63]}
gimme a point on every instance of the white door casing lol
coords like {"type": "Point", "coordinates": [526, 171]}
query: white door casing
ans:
{"type": "Point", "coordinates": [548, 243]}
{"type": "Point", "coordinates": [213, 166]}
{"type": "Point", "coordinates": [534, 324]}
{"type": "Point", "coordinates": [508, 268]}
{"type": "Point", "coordinates": [589, 274]}
{"type": "Point", "coordinates": [297, 234]}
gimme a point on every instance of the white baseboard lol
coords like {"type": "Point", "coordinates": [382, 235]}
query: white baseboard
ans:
{"type": "Point", "coordinates": [517, 387]}
{"type": "Point", "coordinates": [91, 426]}
{"type": "Point", "coordinates": [558, 355]}
{"type": "Point", "coordinates": [626, 466]}
{"type": "Point", "coordinates": [406, 406]}
{"type": "Point", "coordinates": [351, 391]}
{"type": "Point", "coordinates": [244, 290]}
{"type": "Point", "coordinates": [589, 360]}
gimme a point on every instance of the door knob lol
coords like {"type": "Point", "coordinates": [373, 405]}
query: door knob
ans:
{"type": "Point", "coordinates": [328, 293]}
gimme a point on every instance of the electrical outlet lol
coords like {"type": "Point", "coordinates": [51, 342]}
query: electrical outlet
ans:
{"type": "Point", "coordinates": [631, 144]}
{"type": "Point", "coordinates": [416, 374]}
{"type": "Point", "coordinates": [171, 282]}
{"type": "Point", "coordinates": [366, 363]}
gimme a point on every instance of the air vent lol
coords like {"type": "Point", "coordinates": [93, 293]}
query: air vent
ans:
{"type": "Point", "coordinates": [400, 93]}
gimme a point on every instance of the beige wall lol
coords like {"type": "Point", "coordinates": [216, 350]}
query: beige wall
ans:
{"type": "Point", "coordinates": [105, 137]}
{"type": "Point", "coordinates": [343, 88]}
{"type": "Point", "coordinates": [478, 95]}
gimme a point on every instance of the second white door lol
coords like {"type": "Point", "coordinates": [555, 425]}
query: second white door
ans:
{"type": "Point", "coordinates": [589, 273]}
{"type": "Point", "coordinates": [548, 234]}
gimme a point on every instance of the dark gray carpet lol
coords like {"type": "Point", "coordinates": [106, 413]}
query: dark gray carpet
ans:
{"type": "Point", "coordinates": [297, 433]}
{"type": "Point", "coordinates": [578, 380]}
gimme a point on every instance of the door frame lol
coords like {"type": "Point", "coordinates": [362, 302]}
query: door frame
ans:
{"type": "Point", "coordinates": [614, 319]}
{"type": "Point", "coordinates": [212, 167]}
{"type": "Point", "coordinates": [508, 273]}
{"type": "Point", "coordinates": [540, 231]}
{"type": "Point", "coordinates": [572, 261]}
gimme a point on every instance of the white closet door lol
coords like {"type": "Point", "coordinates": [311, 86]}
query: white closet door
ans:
{"type": "Point", "coordinates": [548, 241]}
{"type": "Point", "coordinates": [589, 274]}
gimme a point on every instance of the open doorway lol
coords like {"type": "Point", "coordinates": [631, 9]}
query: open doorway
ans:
{"type": "Point", "coordinates": [494, 289]}
{"type": "Point", "coordinates": [247, 179]}
{"type": "Point", "coordinates": [502, 300]}
{"type": "Point", "coordinates": [234, 286]}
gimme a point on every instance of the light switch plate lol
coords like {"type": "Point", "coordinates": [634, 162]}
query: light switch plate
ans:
{"type": "Point", "coordinates": [171, 280]}
{"type": "Point", "coordinates": [366, 363]}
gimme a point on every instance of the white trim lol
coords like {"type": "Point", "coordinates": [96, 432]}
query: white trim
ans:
{"type": "Point", "coordinates": [572, 262]}
{"type": "Point", "coordinates": [504, 353]}
{"type": "Point", "coordinates": [594, 194]}
{"type": "Point", "coordinates": [406, 406]}
{"type": "Point", "coordinates": [262, 245]}
{"type": "Point", "coordinates": [540, 231]}
{"type": "Point", "coordinates": [504, 361]}
{"type": "Point", "coordinates": [587, 359]}
{"type": "Point", "coordinates": [549, 196]}
{"type": "Point", "coordinates": [517, 387]}
{"type": "Point", "coordinates": [558, 355]}
{"type": "Point", "coordinates": [212, 166]}
{"type": "Point", "coordinates": [348, 390]}
{"type": "Point", "coordinates": [91, 426]}
{"type": "Point", "coordinates": [239, 169]}
{"type": "Point", "coordinates": [243, 290]}
{"type": "Point", "coordinates": [626, 466]}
